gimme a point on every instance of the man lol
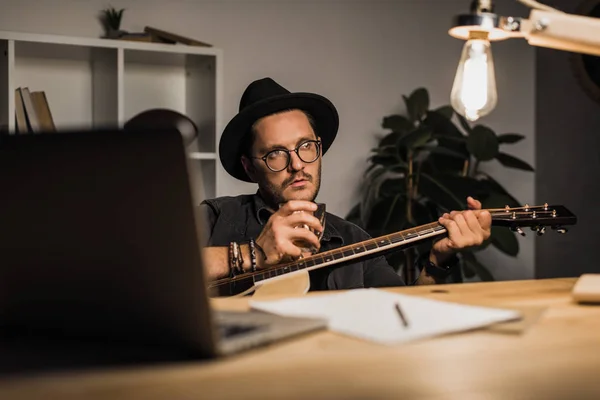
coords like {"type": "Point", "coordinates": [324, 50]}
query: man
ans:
{"type": "Point", "coordinates": [277, 140]}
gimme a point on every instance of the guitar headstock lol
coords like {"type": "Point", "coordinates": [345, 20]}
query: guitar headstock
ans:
{"type": "Point", "coordinates": [536, 217]}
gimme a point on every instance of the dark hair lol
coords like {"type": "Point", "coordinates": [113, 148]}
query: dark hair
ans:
{"type": "Point", "coordinates": [248, 140]}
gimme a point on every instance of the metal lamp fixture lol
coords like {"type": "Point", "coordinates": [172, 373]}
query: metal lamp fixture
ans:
{"type": "Point", "coordinates": [474, 90]}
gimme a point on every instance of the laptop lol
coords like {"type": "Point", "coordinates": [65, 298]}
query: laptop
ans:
{"type": "Point", "coordinates": [99, 242]}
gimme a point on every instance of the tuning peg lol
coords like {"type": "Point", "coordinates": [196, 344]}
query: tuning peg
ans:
{"type": "Point", "coordinates": [560, 229]}
{"type": "Point", "coordinates": [541, 230]}
{"type": "Point", "coordinates": [519, 231]}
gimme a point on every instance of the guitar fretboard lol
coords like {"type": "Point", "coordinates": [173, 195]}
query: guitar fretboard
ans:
{"type": "Point", "coordinates": [376, 245]}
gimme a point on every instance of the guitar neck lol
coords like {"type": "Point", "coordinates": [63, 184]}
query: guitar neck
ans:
{"type": "Point", "coordinates": [366, 249]}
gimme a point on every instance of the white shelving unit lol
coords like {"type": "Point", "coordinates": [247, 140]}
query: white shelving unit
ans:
{"type": "Point", "coordinates": [96, 83]}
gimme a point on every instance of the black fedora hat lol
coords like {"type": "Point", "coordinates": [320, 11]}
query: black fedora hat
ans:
{"type": "Point", "coordinates": [265, 97]}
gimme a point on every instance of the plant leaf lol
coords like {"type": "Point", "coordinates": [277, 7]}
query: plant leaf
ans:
{"type": "Point", "coordinates": [463, 122]}
{"type": "Point", "coordinates": [416, 138]}
{"type": "Point", "coordinates": [505, 240]}
{"type": "Point", "coordinates": [448, 136]}
{"type": "Point", "coordinates": [387, 215]}
{"type": "Point", "coordinates": [393, 186]}
{"type": "Point", "coordinates": [417, 104]}
{"type": "Point", "coordinates": [492, 186]}
{"type": "Point", "coordinates": [483, 143]}
{"type": "Point", "coordinates": [395, 215]}
{"type": "Point", "coordinates": [441, 150]}
{"type": "Point", "coordinates": [510, 138]}
{"type": "Point", "coordinates": [462, 186]}
{"type": "Point", "coordinates": [438, 192]}
{"type": "Point", "coordinates": [397, 123]}
{"type": "Point", "coordinates": [354, 215]}
{"type": "Point", "coordinates": [390, 139]}
{"type": "Point", "coordinates": [441, 125]}
{"type": "Point", "coordinates": [513, 162]}
{"type": "Point", "coordinates": [446, 111]}
{"type": "Point", "coordinates": [371, 195]}
{"type": "Point", "coordinates": [474, 264]}
{"type": "Point", "coordinates": [498, 200]}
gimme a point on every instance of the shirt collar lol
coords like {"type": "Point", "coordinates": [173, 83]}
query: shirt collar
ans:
{"type": "Point", "coordinates": [263, 212]}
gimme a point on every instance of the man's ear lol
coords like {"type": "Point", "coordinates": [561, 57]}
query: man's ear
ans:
{"type": "Point", "coordinates": [249, 167]}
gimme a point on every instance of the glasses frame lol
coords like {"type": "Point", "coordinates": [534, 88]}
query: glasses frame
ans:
{"type": "Point", "coordinates": [289, 156]}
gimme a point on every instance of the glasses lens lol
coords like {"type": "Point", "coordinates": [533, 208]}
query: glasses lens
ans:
{"type": "Point", "coordinates": [308, 151]}
{"type": "Point", "coordinates": [277, 160]}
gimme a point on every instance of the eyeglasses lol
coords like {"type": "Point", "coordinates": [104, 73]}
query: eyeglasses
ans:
{"type": "Point", "coordinates": [279, 159]}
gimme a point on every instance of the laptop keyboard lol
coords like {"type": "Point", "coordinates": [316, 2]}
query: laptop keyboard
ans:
{"type": "Point", "coordinates": [230, 323]}
{"type": "Point", "coordinates": [227, 330]}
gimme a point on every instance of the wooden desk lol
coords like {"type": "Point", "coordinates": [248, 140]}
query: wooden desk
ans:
{"type": "Point", "coordinates": [557, 358]}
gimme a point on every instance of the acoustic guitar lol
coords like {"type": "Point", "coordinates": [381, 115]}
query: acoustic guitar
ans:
{"type": "Point", "coordinates": [292, 277]}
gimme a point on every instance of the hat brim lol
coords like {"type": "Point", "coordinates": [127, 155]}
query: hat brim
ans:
{"type": "Point", "coordinates": [321, 109]}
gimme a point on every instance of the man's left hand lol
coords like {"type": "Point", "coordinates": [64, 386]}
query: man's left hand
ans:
{"type": "Point", "coordinates": [465, 229]}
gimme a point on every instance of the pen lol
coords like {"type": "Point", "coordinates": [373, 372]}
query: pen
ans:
{"type": "Point", "coordinates": [401, 314]}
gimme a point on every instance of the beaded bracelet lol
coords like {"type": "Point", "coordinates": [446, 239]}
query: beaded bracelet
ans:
{"type": "Point", "coordinates": [252, 255]}
{"type": "Point", "coordinates": [236, 259]}
{"type": "Point", "coordinates": [261, 250]}
{"type": "Point", "coordinates": [239, 260]}
{"type": "Point", "coordinates": [232, 269]}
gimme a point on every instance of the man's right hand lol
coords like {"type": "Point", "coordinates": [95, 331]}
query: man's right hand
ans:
{"type": "Point", "coordinates": [283, 236]}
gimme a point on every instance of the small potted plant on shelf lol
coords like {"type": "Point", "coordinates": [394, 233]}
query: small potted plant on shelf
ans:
{"type": "Point", "coordinates": [111, 21]}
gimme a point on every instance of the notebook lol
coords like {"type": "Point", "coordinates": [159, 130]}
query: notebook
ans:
{"type": "Point", "coordinates": [372, 314]}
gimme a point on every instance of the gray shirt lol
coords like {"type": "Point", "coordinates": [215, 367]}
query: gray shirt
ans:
{"type": "Point", "coordinates": [243, 217]}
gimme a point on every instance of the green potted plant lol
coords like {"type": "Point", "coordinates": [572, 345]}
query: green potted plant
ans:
{"type": "Point", "coordinates": [111, 21]}
{"type": "Point", "coordinates": [427, 164]}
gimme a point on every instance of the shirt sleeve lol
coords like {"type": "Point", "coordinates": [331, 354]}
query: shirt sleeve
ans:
{"type": "Point", "coordinates": [379, 273]}
{"type": "Point", "coordinates": [207, 217]}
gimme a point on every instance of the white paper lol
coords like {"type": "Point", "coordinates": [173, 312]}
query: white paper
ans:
{"type": "Point", "coordinates": [370, 314]}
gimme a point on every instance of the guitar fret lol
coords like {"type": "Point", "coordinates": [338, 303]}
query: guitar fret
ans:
{"type": "Point", "coordinates": [397, 238]}
{"type": "Point", "coordinates": [411, 235]}
{"type": "Point", "coordinates": [383, 242]}
{"type": "Point", "coordinates": [358, 248]}
{"type": "Point", "coordinates": [348, 252]}
{"type": "Point", "coordinates": [371, 245]}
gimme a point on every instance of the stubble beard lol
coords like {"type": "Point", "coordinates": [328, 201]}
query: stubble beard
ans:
{"type": "Point", "coordinates": [273, 194]}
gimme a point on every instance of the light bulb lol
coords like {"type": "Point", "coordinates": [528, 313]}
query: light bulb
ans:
{"type": "Point", "coordinates": [474, 90]}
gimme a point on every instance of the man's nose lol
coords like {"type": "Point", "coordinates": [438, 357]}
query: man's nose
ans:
{"type": "Point", "coordinates": [296, 164]}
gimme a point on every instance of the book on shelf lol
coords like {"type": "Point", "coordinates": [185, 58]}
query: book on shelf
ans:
{"type": "Point", "coordinates": [32, 112]}
{"type": "Point", "coordinates": [137, 37]}
{"type": "Point", "coordinates": [172, 38]}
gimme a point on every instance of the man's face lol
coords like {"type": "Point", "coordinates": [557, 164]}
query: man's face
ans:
{"type": "Point", "coordinates": [300, 180]}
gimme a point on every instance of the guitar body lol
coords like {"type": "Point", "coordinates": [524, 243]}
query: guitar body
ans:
{"type": "Point", "coordinates": [289, 285]}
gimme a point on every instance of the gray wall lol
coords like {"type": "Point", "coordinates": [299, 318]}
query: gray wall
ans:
{"type": "Point", "coordinates": [568, 162]}
{"type": "Point", "coordinates": [362, 54]}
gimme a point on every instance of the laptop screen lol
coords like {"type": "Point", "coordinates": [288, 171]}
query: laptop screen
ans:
{"type": "Point", "coordinates": [98, 238]}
